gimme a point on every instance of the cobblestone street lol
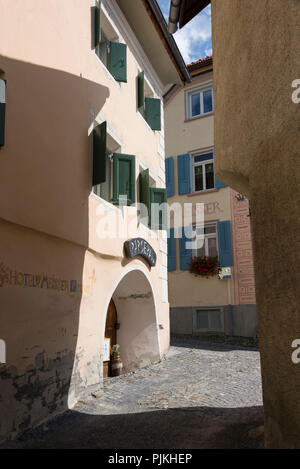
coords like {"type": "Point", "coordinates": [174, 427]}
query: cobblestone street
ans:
{"type": "Point", "coordinates": [205, 396]}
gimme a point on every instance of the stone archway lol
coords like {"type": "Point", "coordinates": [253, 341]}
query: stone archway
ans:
{"type": "Point", "coordinates": [138, 329]}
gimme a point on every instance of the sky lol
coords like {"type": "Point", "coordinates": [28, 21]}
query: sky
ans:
{"type": "Point", "coordinates": [194, 39]}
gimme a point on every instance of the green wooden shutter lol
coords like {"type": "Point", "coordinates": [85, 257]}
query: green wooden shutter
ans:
{"type": "Point", "coordinates": [124, 178]}
{"type": "Point", "coordinates": [99, 154]}
{"type": "Point", "coordinates": [153, 113]}
{"type": "Point", "coordinates": [118, 61]}
{"type": "Point", "coordinates": [145, 195]}
{"type": "Point", "coordinates": [141, 89]}
{"type": "Point", "coordinates": [98, 24]}
{"type": "Point", "coordinates": [158, 217]}
{"type": "Point", "coordinates": [2, 111]}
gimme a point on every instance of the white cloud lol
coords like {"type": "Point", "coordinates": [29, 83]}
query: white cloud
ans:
{"type": "Point", "coordinates": [194, 39]}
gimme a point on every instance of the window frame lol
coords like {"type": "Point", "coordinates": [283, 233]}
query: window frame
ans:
{"type": "Point", "coordinates": [206, 238]}
{"type": "Point", "coordinates": [202, 163]}
{"type": "Point", "coordinates": [199, 90]}
{"type": "Point", "coordinates": [208, 310]}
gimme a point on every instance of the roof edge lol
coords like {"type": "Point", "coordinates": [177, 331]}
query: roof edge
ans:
{"type": "Point", "coordinates": [160, 24]}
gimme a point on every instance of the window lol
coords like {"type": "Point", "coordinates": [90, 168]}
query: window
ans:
{"type": "Point", "coordinates": [210, 245]}
{"type": "Point", "coordinates": [111, 52]}
{"type": "Point", "coordinates": [113, 172]}
{"type": "Point", "coordinates": [203, 176]}
{"type": "Point", "coordinates": [210, 320]}
{"type": "Point", "coordinates": [200, 102]}
{"type": "Point", "coordinates": [148, 106]}
{"type": "Point", "coordinates": [155, 201]}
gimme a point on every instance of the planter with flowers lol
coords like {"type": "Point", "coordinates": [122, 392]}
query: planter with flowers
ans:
{"type": "Point", "coordinates": [206, 267]}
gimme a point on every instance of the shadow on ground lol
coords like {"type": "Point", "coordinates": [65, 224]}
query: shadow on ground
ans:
{"type": "Point", "coordinates": [186, 428]}
{"type": "Point", "coordinates": [217, 344]}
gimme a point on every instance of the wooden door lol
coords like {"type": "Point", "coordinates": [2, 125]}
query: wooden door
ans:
{"type": "Point", "coordinates": [110, 333]}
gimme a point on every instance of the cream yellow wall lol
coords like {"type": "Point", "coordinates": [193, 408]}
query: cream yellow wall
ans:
{"type": "Point", "coordinates": [57, 91]}
{"type": "Point", "coordinates": [185, 290]}
{"type": "Point", "coordinates": [73, 90]}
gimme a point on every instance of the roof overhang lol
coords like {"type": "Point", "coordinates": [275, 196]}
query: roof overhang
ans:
{"type": "Point", "coordinates": [150, 28]}
{"type": "Point", "coordinates": [183, 11]}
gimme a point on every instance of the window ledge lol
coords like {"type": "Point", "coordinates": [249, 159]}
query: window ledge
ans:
{"type": "Point", "coordinates": [210, 191]}
{"type": "Point", "coordinates": [191, 119]}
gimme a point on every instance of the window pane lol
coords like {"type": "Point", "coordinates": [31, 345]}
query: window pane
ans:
{"type": "Point", "coordinates": [199, 178]}
{"type": "Point", "coordinates": [212, 247]}
{"type": "Point", "coordinates": [210, 179]}
{"type": "Point", "coordinates": [209, 229]}
{"type": "Point", "coordinates": [195, 98]}
{"type": "Point", "coordinates": [201, 252]}
{"type": "Point", "coordinates": [202, 320]}
{"type": "Point", "coordinates": [204, 157]}
{"type": "Point", "coordinates": [208, 101]}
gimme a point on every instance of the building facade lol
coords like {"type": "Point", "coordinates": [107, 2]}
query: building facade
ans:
{"type": "Point", "coordinates": [222, 304]}
{"type": "Point", "coordinates": [81, 143]}
{"type": "Point", "coordinates": [257, 102]}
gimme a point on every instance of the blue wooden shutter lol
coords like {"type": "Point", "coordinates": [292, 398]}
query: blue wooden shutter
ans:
{"type": "Point", "coordinates": [170, 176]}
{"type": "Point", "coordinates": [184, 178]}
{"type": "Point", "coordinates": [225, 244]}
{"type": "Point", "coordinates": [99, 154]}
{"type": "Point", "coordinates": [219, 184]}
{"type": "Point", "coordinates": [118, 61]}
{"type": "Point", "coordinates": [171, 250]}
{"type": "Point", "coordinates": [2, 111]}
{"type": "Point", "coordinates": [185, 253]}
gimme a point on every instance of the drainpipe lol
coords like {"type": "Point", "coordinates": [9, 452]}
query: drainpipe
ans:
{"type": "Point", "coordinates": [174, 16]}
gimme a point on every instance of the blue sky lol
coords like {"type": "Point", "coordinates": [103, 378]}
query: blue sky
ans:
{"type": "Point", "coordinates": [194, 40]}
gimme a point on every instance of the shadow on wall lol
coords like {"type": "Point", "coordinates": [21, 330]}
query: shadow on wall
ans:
{"type": "Point", "coordinates": [137, 336]}
{"type": "Point", "coordinates": [180, 428]}
{"type": "Point", "coordinates": [45, 183]}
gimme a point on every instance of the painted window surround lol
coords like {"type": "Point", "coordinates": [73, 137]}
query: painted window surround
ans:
{"type": "Point", "coordinates": [187, 94]}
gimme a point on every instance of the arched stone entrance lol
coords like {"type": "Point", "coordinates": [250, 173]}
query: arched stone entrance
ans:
{"type": "Point", "coordinates": [137, 332]}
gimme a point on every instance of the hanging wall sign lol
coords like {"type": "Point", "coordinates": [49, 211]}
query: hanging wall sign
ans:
{"type": "Point", "coordinates": [140, 247]}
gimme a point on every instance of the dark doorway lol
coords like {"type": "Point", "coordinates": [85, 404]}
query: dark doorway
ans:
{"type": "Point", "coordinates": [110, 335]}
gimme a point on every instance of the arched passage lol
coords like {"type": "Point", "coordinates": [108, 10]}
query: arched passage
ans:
{"type": "Point", "coordinates": [137, 334]}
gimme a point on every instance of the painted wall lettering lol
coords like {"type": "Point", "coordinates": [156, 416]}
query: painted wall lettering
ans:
{"type": "Point", "coordinates": [12, 277]}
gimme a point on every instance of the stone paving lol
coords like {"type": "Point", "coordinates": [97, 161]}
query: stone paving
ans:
{"type": "Point", "coordinates": [207, 396]}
